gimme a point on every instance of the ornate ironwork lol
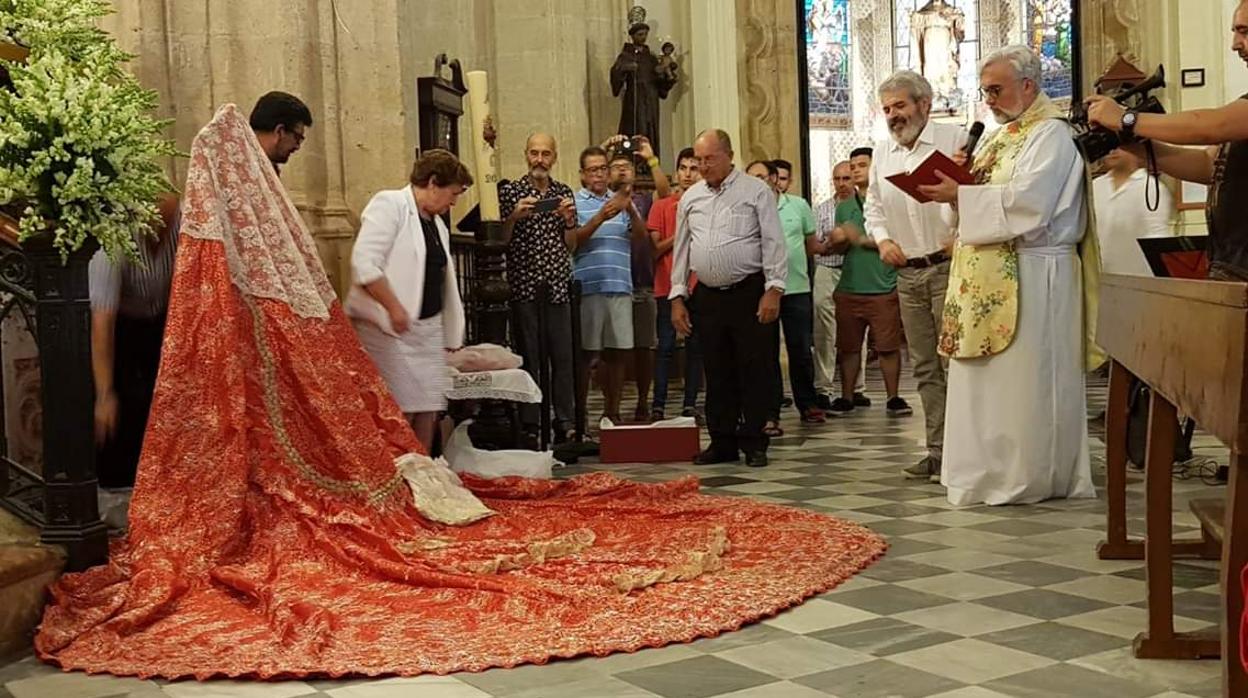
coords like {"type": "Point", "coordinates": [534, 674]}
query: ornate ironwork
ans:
{"type": "Point", "coordinates": [21, 486]}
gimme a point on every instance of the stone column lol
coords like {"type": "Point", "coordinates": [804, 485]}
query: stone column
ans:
{"type": "Point", "coordinates": [768, 38]}
{"type": "Point", "coordinates": [715, 86]}
{"type": "Point", "coordinates": [342, 59]}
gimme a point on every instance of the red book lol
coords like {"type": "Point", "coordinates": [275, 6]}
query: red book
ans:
{"type": "Point", "coordinates": [925, 175]}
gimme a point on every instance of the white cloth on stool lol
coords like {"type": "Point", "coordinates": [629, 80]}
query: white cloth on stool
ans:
{"type": "Point", "coordinates": [412, 364]}
{"type": "Point", "coordinates": [1016, 422]}
{"type": "Point", "coordinates": [514, 384]}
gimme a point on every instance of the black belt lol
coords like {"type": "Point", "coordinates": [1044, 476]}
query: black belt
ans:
{"type": "Point", "coordinates": [930, 260]}
{"type": "Point", "coordinates": [752, 278]}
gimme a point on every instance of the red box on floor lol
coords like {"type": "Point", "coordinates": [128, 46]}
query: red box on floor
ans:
{"type": "Point", "coordinates": [644, 443]}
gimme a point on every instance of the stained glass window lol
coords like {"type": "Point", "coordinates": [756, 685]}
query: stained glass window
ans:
{"type": "Point", "coordinates": [1047, 30]}
{"type": "Point", "coordinates": [829, 63]}
{"type": "Point", "coordinates": [940, 40]}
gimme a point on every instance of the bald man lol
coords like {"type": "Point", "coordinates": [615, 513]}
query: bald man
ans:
{"type": "Point", "coordinates": [728, 233]}
{"type": "Point", "coordinates": [537, 213]}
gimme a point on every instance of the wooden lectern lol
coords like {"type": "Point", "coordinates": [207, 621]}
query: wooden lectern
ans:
{"type": "Point", "coordinates": [1185, 340]}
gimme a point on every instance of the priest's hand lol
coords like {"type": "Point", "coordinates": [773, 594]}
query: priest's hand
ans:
{"type": "Point", "coordinates": [680, 318]}
{"type": "Point", "coordinates": [960, 158]}
{"type": "Point", "coordinates": [946, 192]}
{"type": "Point", "coordinates": [769, 306]}
{"type": "Point", "coordinates": [891, 254]}
{"type": "Point", "coordinates": [1104, 112]}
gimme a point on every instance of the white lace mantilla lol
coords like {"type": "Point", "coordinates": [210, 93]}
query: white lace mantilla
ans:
{"type": "Point", "coordinates": [514, 384]}
{"type": "Point", "coordinates": [233, 195]}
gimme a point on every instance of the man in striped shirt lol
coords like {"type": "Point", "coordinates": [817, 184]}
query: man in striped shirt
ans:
{"type": "Point", "coordinates": [128, 303]}
{"type": "Point", "coordinates": [828, 269]}
{"type": "Point", "coordinates": [728, 232]}
{"type": "Point", "coordinates": [602, 262]}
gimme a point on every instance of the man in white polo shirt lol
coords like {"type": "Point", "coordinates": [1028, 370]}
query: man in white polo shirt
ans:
{"type": "Point", "coordinates": [914, 238]}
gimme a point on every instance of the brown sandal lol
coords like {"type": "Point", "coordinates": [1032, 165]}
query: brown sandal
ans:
{"type": "Point", "coordinates": [773, 430]}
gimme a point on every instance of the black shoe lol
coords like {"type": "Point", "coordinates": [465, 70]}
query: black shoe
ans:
{"type": "Point", "coordinates": [861, 400]}
{"type": "Point", "coordinates": [710, 456]}
{"type": "Point", "coordinates": [756, 459]}
{"type": "Point", "coordinates": [823, 402]}
{"type": "Point", "coordinates": [786, 401]}
{"type": "Point", "coordinates": [898, 407]}
{"type": "Point", "coordinates": [840, 406]}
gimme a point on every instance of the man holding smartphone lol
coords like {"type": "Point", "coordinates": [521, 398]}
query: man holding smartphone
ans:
{"type": "Point", "coordinates": [537, 213]}
{"type": "Point", "coordinates": [609, 223]}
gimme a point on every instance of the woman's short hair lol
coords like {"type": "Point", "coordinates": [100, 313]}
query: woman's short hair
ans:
{"type": "Point", "coordinates": [440, 168]}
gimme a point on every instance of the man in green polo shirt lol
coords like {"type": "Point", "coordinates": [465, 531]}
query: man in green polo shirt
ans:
{"type": "Point", "coordinates": [866, 296]}
{"type": "Point", "coordinates": [796, 307]}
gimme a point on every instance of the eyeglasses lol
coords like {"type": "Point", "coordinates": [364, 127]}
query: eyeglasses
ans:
{"type": "Point", "coordinates": [299, 135]}
{"type": "Point", "coordinates": [598, 169]}
{"type": "Point", "coordinates": [992, 91]}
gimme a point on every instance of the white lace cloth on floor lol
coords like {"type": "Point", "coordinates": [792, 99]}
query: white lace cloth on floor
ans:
{"type": "Point", "coordinates": [514, 384]}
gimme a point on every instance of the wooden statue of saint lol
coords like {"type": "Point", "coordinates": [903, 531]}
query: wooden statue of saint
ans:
{"type": "Point", "coordinates": [643, 79]}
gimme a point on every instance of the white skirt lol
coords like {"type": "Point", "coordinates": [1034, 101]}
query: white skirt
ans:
{"type": "Point", "coordinates": [1016, 427]}
{"type": "Point", "coordinates": [412, 364]}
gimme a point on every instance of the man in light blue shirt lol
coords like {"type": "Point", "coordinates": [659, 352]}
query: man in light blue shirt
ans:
{"type": "Point", "coordinates": [602, 247]}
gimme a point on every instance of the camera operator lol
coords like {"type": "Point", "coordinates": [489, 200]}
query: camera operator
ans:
{"type": "Point", "coordinates": [1223, 167]}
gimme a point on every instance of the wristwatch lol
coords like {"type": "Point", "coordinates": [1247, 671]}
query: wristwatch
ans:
{"type": "Point", "coordinates": [1128, 125]}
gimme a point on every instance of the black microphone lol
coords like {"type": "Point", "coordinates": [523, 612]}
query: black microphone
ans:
{"type": "Point", "coordinates": [977, 130]}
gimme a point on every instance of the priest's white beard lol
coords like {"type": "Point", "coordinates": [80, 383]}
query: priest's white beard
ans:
{"type": "Point", "coordinates": [1004, 117]}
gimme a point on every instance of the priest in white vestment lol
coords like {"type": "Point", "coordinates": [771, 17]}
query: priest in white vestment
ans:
{"type": "Point", "coordinates": [1015, 417]}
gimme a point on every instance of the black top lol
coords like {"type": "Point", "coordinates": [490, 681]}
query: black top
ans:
{"type": "Point", "coordinates": [1228, 227]}
{"type": "Point", "coordinates": [435, 270]}
{"type": "Point", "coordinates": [538, 252]}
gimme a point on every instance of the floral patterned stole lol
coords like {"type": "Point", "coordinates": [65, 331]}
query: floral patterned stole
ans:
{"type": "Point", "coordinates": [981, 306]}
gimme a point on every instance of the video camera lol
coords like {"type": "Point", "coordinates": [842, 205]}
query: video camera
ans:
{"type": "Point", "coordinates": [1094, 142]}
{"type": "Point", "coordinates": [627, 147]}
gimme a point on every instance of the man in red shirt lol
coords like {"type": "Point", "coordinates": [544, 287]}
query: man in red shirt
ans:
{"type": "Point", "coordinates": [662, 226]}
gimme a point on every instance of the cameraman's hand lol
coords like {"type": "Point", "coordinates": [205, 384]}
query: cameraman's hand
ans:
{"type": "Point", "coordinates": [524, 208]}
{"type": "Point", "coordinates": [644, 150]}
{"type": "Point", "coordinates": [1104, 112]}
{"type": "Point", "coordinates": [609, 144]}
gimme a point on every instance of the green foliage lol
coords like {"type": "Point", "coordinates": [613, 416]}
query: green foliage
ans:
{"type": "Point", "coordinates": [80, 154]}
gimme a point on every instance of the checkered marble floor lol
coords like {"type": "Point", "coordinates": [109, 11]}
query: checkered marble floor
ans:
{"type": "Point", "coordinates": [970, 603]}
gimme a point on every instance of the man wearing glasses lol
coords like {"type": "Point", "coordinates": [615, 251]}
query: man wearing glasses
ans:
{"type": "Point", "coordinates": [281, 122]}
{"type": "Point", "coordinates": [1016, 429]}
{"type": "Point", "coordinates": [915, 239]}
{"type": "Point", "coordinates": [602, 247]}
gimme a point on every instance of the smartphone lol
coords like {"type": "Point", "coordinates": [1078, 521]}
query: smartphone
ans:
{"type": "Point", "coordinates": [546, 206]}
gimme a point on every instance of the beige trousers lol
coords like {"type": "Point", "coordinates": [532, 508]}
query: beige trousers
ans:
{"type": "Point", "coordinates": [922, 293]}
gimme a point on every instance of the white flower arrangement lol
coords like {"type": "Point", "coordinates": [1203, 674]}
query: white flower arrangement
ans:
{"type": "Point", "coordinates": [80, 154]}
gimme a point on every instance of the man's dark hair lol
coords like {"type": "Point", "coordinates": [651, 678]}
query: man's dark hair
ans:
{"type": "Point", "coordinates": [769, 164]}
{"type": "Point", "coordinates": [279, 108]}
{"type": "Point", "coordinates": [783, 165]}
{"type": "Point", "coordinates": [621, 154]}
{"type": "Point", "coordinates": [685, 154]}
{"type": "Point", "coordinates": [865, 150]}
{"type": "Point", "coordinates": [590, 152]}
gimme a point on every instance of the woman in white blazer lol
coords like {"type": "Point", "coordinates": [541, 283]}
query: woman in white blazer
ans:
{"type": "Point", "coordinates": [404, 301]}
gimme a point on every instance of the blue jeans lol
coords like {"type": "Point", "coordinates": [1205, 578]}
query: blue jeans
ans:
{"type": "Point", "coordinates": [796, 317]}
{"type": "Point", "coordinates": [667, 351]}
